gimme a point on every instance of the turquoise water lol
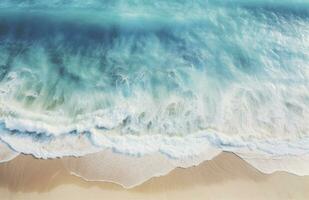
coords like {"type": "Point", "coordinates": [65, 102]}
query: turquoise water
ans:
{"type": "Point", "coordinates": [231, 74]}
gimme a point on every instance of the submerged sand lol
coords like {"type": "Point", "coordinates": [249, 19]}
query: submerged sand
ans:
{"type": "Point", "coordinates": [225, 177]}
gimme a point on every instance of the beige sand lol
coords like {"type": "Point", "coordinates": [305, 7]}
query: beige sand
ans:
{"type": "Point", "coordinates": [225, 177]}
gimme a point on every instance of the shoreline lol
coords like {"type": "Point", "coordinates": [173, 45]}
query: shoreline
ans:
{"type": "Point", "coordinates": [227, 176]}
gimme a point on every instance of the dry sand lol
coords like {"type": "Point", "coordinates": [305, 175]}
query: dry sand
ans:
{"type": "Point", "coordinates": [225, 177]}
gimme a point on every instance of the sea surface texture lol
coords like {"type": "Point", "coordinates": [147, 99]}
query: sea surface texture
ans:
{"type": "Point", "coordinates": [142, 77]}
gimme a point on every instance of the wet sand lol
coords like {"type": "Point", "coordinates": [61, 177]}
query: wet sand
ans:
{"type": "Point", "coordinates": [225, 177]}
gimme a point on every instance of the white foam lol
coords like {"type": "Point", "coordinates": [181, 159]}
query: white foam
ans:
{"type": "Point", "coordinates": [49, 147]}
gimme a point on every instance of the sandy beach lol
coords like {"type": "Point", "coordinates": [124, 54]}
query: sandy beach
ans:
{"type": "Point", "coordinates": [225, 177]}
